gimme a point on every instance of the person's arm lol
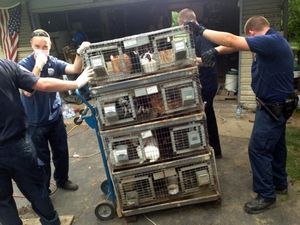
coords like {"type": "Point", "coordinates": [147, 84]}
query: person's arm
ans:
{"type": "Point", "coordinates": [76, 67]}
{"type": "Point", "coordinates": [222, 50]}
{"type": "Point", "coordinates": [227, 40]}
{"type": "Point", "coordinates": [40, 61]}
{"type": "Point", "coordinates": [48, 84]}
{"type": "Point", "coordinates": [209, 57]}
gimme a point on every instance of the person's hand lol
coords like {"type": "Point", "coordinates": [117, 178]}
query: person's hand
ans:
{"type": "Point", "coordinates": [195, 28]}
{"type": "Point", "coordinates": [26, 93]}
{"type": "Point", "coordinates": [84, 45]}
{"type": "Point", "coordinates": [209, 57]}
{"type": "Point", "coordinates": [198, 61]}
{"type": "Point", "coordinates": [40, 60]}
{"type": "Point", "coordinates": [84, 77]}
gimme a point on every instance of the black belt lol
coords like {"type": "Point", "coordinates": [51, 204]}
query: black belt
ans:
{"type": "Point", "coordinates": [275, 109]}
{"type": "Point", "coordinates": [13, 139]}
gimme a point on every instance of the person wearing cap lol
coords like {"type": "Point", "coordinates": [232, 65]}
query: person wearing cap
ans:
{"type": "Point", "coordinates": [18, 159]}
{"type": "Point", "coordinates": [45, 120]}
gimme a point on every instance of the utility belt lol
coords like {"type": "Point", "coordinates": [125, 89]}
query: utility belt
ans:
{"type": "Point", "coordinates": [276, 109]}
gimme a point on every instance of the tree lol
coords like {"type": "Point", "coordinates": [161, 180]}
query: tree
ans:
{"type": "Point", "coordinates": [294, 21]}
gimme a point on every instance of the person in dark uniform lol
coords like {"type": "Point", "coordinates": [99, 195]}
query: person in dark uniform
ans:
{"type": "Point", "coordinates": [18, 159]}
{"type": "Point", "coordinates": [272, 83]}
{"type": "Point", "coordinates": [43, 110]}
{"type": "Point", "coordinates": [208, 79]}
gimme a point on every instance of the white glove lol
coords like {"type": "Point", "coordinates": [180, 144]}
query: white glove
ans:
{"type": "Point", "coordinates": [84, 45]}
{"type": "Point", "coordinates": [40, 60]}
{"type": "Point", "coordinates": [84, 77]}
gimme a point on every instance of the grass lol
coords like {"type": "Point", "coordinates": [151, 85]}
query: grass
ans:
{"type": "Point", "coordinates": [293, 145]}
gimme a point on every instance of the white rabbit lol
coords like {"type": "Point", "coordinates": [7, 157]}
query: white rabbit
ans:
{"type": "Point", "coordinates": [151, 151]}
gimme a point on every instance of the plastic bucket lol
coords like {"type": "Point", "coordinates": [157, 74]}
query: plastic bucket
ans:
{"type": "Point", "coordinates": [231, 82]}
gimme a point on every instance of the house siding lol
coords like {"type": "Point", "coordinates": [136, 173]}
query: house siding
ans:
{"type": "Point", "coordinates": [25, 33]}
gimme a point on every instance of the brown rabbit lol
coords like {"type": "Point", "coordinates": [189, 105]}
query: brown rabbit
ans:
{"type": "Point", "coordinates": [157, 104]}
{"type": "Point", "coordinates": [117, 66]}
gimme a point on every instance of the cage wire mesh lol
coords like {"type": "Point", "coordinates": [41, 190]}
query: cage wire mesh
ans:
{"type": "Point", "coordinates": [141, 54]}
{"type": "Point", "coordinates": [148, 143]}
{"type": "Point", "coordinates": [181, 179]}
{"type": "Point", "coordinates": [148, 98]}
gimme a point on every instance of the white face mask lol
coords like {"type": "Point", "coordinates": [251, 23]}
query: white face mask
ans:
{"type": "Point", "coordinates": [40, 51]}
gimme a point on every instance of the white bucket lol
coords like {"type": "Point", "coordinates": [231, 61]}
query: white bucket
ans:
{"type": "Point", "coordinates": [231, 82]}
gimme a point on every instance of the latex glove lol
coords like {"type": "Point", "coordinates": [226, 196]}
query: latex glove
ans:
{"type": "Point", "coordinates": [84, 45]}
{"type": "Point", "coordinates": [209, 57]}
{"type": "Point", "coordinates": [195, 28]}
{"type": "Point", "coordinates": [84, 77]}
{"type": "Point", "coordinates": [40, 60]}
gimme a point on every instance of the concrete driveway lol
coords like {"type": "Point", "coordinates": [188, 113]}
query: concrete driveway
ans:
{"type": "Point", "coordinates": [234, 174]}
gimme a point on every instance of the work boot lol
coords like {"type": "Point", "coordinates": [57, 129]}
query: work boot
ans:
{"type": "Point", "coordinates": [258, 205]}
{"type": "Point", "coordinates": [281, 191]}
{"type": "Point", "coordinates": [68, 185]}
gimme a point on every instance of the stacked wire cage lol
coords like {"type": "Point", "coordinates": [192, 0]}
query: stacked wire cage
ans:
{"type": "Point", "coordinates": [152, 121]}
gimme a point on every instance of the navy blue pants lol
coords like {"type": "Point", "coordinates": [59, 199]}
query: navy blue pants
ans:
{"type": "Point", "coordinates": [208, 94]}
{"type": "Point", "coordinates": [18, 162]}
{"type": "Point", "coordinates": [267, 154]}
{"type": "Point", "coordinates": [54, 135]}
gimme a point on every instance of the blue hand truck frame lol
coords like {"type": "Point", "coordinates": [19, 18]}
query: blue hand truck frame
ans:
{"type": "Point", "coordinates": [105, 210]}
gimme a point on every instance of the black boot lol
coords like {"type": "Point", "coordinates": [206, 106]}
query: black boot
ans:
{"type": "Point", "coordinates": [258, 205]}
{"type": "Point", "coordinates": [68, 185]}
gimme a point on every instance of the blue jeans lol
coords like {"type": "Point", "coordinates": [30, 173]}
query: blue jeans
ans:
{"type": "Point", "coordinates": [18, 162]}
{"type": "Point", "coordinates": [267, 154]}
{"type": "Point", "coordinates": [54, 134]}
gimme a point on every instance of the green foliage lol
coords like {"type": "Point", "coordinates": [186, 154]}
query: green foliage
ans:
{"type": "Point", "coordinates": [294, 20]}
{"type": "Point", "coordinates": [174, 18]}
{"type": "Point", "coordinates": [293, 145]}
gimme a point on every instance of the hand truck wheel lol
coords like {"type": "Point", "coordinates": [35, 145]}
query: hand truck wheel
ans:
{"type": "Point", "coordinates": [105, 210]}
{"type": "Point", "coordinates": [78, 120]}
{"type": "Point", "coordinates": [84, 111]}
{"type": "Point", "coordinates": [105, 187]}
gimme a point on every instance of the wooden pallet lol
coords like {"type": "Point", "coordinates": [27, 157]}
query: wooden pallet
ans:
{"type": "Point", "coordinates": [223, 94]}
{"type": "Point", "coordinates": [65, 220]}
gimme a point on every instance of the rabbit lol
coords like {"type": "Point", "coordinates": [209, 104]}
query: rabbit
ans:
{"type": "Point", "coordinates": [116, 64]}
{"type": "Point", "coordinates": [151, 151]}
{"type": "Point", "coordinates": [157, 105]}
{"type": "Point", "coordinates": [124, 108]}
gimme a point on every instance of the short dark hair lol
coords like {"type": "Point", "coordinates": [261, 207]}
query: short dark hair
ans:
{"type": "Point", "coordinates": [257, 23]}
{"type": "Point", "coordinates": [187, 15]}
{"type": "Point", "coordinates": [40, 33]}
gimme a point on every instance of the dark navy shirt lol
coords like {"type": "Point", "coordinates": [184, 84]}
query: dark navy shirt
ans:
{"type": "Point", "coordinates": [43, 108]}
{"type": "Point", "coordinates": [272, 67]}
{"type": "Point", "coordinates": [208, 75]}
{"type": "Point", "coordinates": [12, 115]}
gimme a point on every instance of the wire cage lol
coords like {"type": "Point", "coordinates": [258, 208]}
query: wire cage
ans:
{"type": "Point", "coordinates": [148, 143]}
{"type": "Point", "coordinates": [185, 180]}
{"type": "Point", "coordinates": [148, 98]}
{"type": "Point", "coordinates": [141, 54]}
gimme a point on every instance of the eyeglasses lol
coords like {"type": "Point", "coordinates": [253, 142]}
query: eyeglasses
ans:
{"type": "Point", "coordinates": [40, 33]}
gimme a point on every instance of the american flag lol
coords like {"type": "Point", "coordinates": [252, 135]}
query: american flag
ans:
{"type": "Point", "coordinates": [10, 21]}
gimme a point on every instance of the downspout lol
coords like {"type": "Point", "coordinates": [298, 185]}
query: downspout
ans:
{"type": "Point", "coordinates": [240, 5]}
{"type": "Point", "coordinates": [285, 17]}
